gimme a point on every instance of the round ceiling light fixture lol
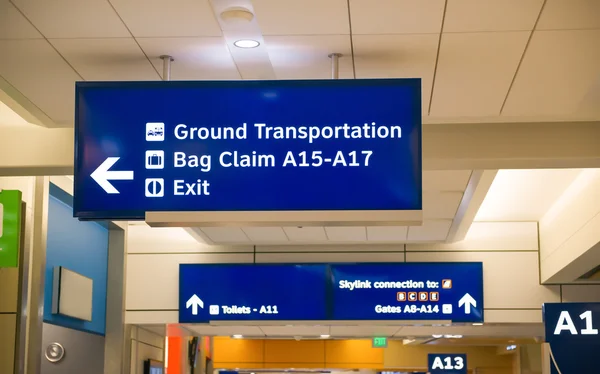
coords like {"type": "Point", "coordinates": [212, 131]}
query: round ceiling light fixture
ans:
{"type": "Point", "coordinates": [246, 43]}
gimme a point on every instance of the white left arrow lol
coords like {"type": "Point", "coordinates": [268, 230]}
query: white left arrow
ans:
{"type": "Point", "coordinates": [102, 175]}
{"type": "Point", "coordinates": [194, 302]}
{"type": "Point", "coordinates": [468, 301]}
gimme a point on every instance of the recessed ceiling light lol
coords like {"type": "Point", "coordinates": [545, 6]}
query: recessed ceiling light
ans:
{"type": "Point", "coordinates": [237, 336]}
{"type": "Point", "coordinates": [325, 336]}
{"type": "Point", "coordinates": [478, 324]}
{"type": "Point", "coordinates": [436, 336]}
{"type": "Point", "coordinates": [246, 43]}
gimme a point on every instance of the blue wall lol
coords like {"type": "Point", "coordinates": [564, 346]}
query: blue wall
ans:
{"type": "Point", "coordinates": [81, 247]}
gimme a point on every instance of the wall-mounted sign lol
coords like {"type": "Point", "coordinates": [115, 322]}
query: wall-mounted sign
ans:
{"type": "Point", "coordinates": [408, 291]}
{"type": "Point", "coordinates": [447, 363]}
{"type": "Point", "coordinates": [212, 292]}
{"type": "Point", "coordinates": [248, 146]}
{"type": "Point", "coordinates": [573, 332]}
{"type": "Point", "coordinates": [10, 227]}
{"type": "Point", "coordinates": [54, 352]}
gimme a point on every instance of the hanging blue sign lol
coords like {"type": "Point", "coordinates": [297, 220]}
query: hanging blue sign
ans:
{"type": "Point", "coordinates": [405, 291]}
{"type": "Point", "coordinates": [210, 146]}
{"type": "Point", "coordinates": [251, 292]}
{"type": "Point", "coordinates": [408, 291]}
{"type": "Point", "coordinates": [572, 330]}
{"type": "Point", "coordinates": [450, 363]}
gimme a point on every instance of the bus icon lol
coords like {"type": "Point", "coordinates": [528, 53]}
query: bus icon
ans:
{"type": "Point", "coordinates": [155, 132]}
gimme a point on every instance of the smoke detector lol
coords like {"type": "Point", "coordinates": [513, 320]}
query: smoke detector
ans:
{"type": "Point", "coordinates": [236, 16]}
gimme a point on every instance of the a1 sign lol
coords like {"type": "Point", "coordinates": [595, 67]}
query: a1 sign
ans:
{"type": "Point", "coordinates": [573, 332]}
{"type": "Point", "coordinates": [446, 363]}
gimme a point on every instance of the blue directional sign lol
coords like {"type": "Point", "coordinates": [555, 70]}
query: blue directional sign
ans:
{"type": "Point", "coordinates": [447, 363]}
{"type": "Point", "coordinates": [247, 146]}
{"type": "Point", "coordinates": [408, 291]}
{"type": "Point", "coordinates": [404, 291]}
{"type": "Point", "coordinates": [251, 292]}
{"type": "Point", "coordinates": [572, 329]}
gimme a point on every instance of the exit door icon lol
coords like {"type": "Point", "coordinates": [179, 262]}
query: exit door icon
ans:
{"type": "Point", "coordinates": [155, 187]}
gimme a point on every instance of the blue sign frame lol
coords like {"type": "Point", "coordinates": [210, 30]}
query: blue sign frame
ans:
{"type": "Point", "coordinates": [134, 151]}
{"type": "Point", "coordinates": [252, 292]}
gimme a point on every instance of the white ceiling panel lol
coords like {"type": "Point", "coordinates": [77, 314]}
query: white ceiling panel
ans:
{"type": "Point", "coordinates": [441, 205]}
{"type": "Point", "coordinates": [34, 68]}
{"type": "Point", "coordinates": [345, 248]}
{"type": "Point", "coordinates": [303, 234]}
{"type": "Point", "coordinates": [116, 59]}
{"type": "Point", "coordinates": [397, 56]}
{"type": "Point", "coordinates": [73, 18]}
{"type": "Point", "coordinates": [430, 231]}
{"type": "Point", "coordinates": [225, 234]}
{"type": "Point", "coordinates": [265, 234]}
{"type": "Point", "coordinates": [570, 15]}
{"type": "Point", "coordinates": [175, 18]}
{"type": "Point", "coordinates": [204, 330]}
{"type": "Point", "coordinates": [396, 16]}
{"type": "Point", "coordinates": [341, 331]}
{"type": "Point", "coordinates": [346, 234]}
{"type": "Point", "coordinates": [480, 16]}
{"type": "Point", "coordinates": [387, 233]}
{"type": "Point", "coordinates": [195, 58]}
{"type": "Point", "coordinates": [309, 331]}
{"type": "Point", "coordinates": [475, 71]}
{"type": "Point", "coordinates": [306, 17]}
{"type": "Point", "coordinates": [445, 180]}
{"type": "Point", "coordinates": [558, 71]}
{"type": "Point", "coordinates": [13, 25]}
{"type": "Point", "coordinates": [306, 57]}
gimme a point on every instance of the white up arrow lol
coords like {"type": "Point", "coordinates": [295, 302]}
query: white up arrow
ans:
{"type": "Point", "coordinates": [102, 175]}
{"type": "Point", "coordinates": [468, 301]}
{"type": "Point", "coordinates": [194, 302]}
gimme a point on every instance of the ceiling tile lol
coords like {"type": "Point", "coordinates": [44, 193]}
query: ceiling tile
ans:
{"type": "Point", "coordinates": [397, 56]}
{"type": "Point", "coordinates": [445, 180]}
{"type": "Point", "coordinates": [396, 16]}
{"type": "Point", "coordinates": [73, 18]}
{"type": "Point", "coordinates": [474, 72]}
{"type": "Point", "coordinates": [370, 331]}
{"type": "Point", "coordinates": [195, 58]}
{"type": "Point", "coordinates": [430, 231]}
{"type": "Point", "coordinates": [478, 16]}
{"type": "Point", "coordinates": [265, 234]}
{"type": "Point", "coordinates": [225, 234]}
{"type": "Point", "coordinates": [301, 234]}
{"type": "Point", "coordinates": [570, 15]}
{"type": "Point", "coordinates": [341, 248]}
{"type": "Point", "coordinates": [13, 25]}
{"type": "Point", "coordinates": [387, 233]}
{"type": "Point", "coordinates": [177, 18]}
{"type": "Point", "coordinates": [346, 234]}
{"type": "Point", "coordinates": [306, 17]}
{"type": "Point", "coordinates": [308, 331]}
{"type": "Point", "coordinates": [115, 59]}
{"type": "Point", "coordinates": [441, 205]}
{"type": "Point", "coordinates": [558, 71]}
{"type": "Point", "coordinates": [306, 57]}
{"type": "Point", "coordinates": [35, 69]}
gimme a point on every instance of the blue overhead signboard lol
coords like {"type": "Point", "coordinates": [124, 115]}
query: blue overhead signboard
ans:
{"type": "Point", "coordinates": [401, 291]}
{"type": "Point", "coordinates": [408, 291]}
{"type": "Point", "coordinates": [447, 363]}
{"type": "Point", "coordinates": [251, 292]}
{"type": "Point", "coordinates": [573, 332]}
{"type": "Point", "coordinates": [247, 146]}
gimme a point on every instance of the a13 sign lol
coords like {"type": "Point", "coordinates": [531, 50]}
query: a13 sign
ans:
{"type": "Point", "coordinates": [447, 363]}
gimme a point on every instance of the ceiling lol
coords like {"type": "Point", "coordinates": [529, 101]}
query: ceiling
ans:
{"type": "Point", "coordinates": [509, 60]}
{"type": "Point", "coordinates": [443, 193]}
{"type": "Point", "coordinates": [497, 334]}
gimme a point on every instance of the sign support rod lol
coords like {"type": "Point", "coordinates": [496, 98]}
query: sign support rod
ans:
{"type": "Point", "coordinates": [335, 65]}
{"type": "Point", "coordinates": [166, 67]}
